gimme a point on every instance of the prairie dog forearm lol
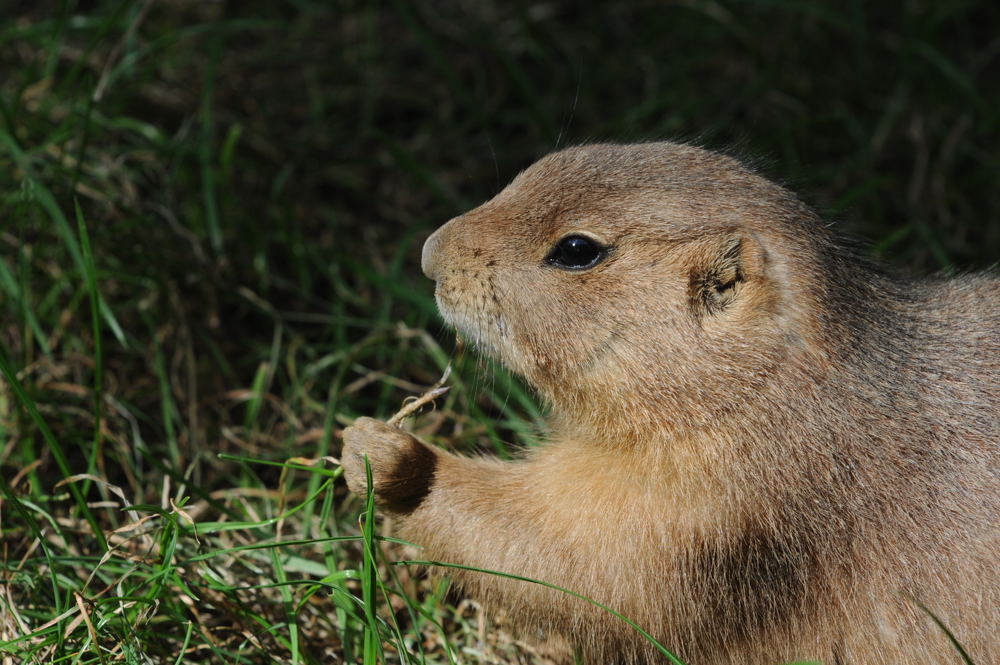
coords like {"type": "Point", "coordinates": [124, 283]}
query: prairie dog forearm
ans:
{"type": "Point", "coordinates": [510, 517]}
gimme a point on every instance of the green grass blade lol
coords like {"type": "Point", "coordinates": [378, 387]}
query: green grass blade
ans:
{"type": "Point", "coordinates": [9, 285]}
{"type": "Point", "coordinates": [288, 600]}
{"type": "Point", "coordinates": [90, 279]}
{"type": "Point", "coordinates": [168, 409]}
{"type": "Point", "coordinates": [369, 574]}
{"type": "Point", "coordinates": [258, 390]}
{"type": "Point", "coordinates": [649, 638]}
{"type": "Point", "coordinates": [951, 636]}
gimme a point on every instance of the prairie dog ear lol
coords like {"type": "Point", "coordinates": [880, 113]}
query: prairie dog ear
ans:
{"type": "Point", "coordinates": [720, 270]}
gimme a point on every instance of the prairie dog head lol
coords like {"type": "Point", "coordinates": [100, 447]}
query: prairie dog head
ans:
{"type": "Point", "coordinates": [624, 280]}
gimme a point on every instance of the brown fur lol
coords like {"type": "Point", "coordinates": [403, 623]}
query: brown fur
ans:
{"type": "Point", "coordinates": [762, 448]}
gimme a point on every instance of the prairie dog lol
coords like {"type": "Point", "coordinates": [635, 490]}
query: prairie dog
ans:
{"type": "Point", "coordinates": [762, 448]}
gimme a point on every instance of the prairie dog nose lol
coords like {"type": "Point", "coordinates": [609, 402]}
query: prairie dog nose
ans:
{"type": "Point", "coordinates": [431, 254]}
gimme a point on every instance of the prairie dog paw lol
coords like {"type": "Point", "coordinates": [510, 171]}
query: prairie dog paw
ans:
{"type": "Point", "coordinates": [402, 467]}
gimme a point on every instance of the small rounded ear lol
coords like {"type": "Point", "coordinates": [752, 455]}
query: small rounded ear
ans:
{"type": "Point", "coordinates": [716, 279]}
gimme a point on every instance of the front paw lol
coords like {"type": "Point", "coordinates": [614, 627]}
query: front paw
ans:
{"type": "Point", "coordinates": [402, 467]}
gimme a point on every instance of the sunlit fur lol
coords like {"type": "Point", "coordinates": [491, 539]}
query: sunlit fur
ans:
{"type": "Point", "coordinates": [770, 471]}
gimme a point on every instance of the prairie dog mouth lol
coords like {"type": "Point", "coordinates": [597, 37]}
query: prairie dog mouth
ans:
{"type": "Point", "coordinates": [473, 330]}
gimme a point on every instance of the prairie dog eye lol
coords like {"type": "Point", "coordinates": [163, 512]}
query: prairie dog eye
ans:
{"type": "Point", "coordinates": [576, 253]}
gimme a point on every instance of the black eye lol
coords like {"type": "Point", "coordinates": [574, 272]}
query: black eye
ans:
{"type": "Point", "coordinates": [576, 253]}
